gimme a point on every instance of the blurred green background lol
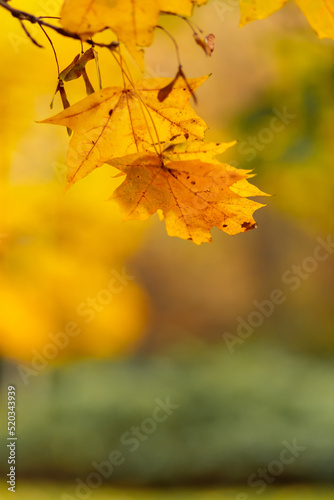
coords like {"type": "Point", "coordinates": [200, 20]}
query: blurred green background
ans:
{"type": "Point", "coordinates": [165, 335]}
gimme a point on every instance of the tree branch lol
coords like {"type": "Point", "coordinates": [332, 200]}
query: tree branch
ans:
{"type": "Point", "coordinates": [29, 35]}
{"type": "Point", "coordinates": [26, 16]}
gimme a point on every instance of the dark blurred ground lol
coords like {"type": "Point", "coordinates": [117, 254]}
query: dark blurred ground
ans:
{"type": "Point", "coordinates": [222, 417]}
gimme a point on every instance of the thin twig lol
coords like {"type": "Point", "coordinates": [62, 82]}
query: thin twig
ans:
{"type": "Point", "coordinates": [29, 35]}
{"type": "Point", "coordinates": [190, 24]}
{"type": "Point", "coordinates": [26, 16]}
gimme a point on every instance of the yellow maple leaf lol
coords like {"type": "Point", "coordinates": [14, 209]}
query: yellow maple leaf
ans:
{"type": "Point", "coordinates": [132, 21]}
{"type": "Point", "coordinates": [319, 13]}
{"type": "Point", "coordinates": [116, 122]}
{"type": "Point", "coordinates": [251, 10]}
{"type": "Point", "coordinates": [193, 195]}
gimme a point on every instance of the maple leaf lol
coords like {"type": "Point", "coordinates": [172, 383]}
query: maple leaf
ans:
{"type": "Point", "coordinates": [251, 10]}
{"type": "Point", "coordinates": [193, 195]}
{"type": "Point", "coordinates": [132, 21]}
{"type": "Point", "coordinates": [116, 122]}
{"type": "Point", "coordinates": [319, 13]}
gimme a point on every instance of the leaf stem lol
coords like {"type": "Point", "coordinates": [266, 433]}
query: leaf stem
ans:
{"type": "Point", "coordinates": [128, 75]}
{"type": "Point", "coordinates": [174, 42]}
{"type": "Point", "coordinates": [143, 103]}
{"type": "Point", "coordinates": [53, 49]}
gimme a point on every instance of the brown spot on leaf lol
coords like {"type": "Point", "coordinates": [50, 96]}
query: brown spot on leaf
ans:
{"type": "Point", "coordinates": [249, 225]}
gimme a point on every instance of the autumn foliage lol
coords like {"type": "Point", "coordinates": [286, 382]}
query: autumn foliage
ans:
{"type": "Point", "coordinates": [147, 128]}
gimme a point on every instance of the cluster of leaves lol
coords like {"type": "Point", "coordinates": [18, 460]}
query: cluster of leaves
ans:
{"type": "Point", "coordinates": [148, 130]}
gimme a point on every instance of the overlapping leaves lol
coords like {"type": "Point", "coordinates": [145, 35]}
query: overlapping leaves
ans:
{"type": "Point", "coordinates": [159, 146]}
{"type": "Point", "coordinates": [148, 130]}
{"type": "Point", "coordinates": [115, 122]}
